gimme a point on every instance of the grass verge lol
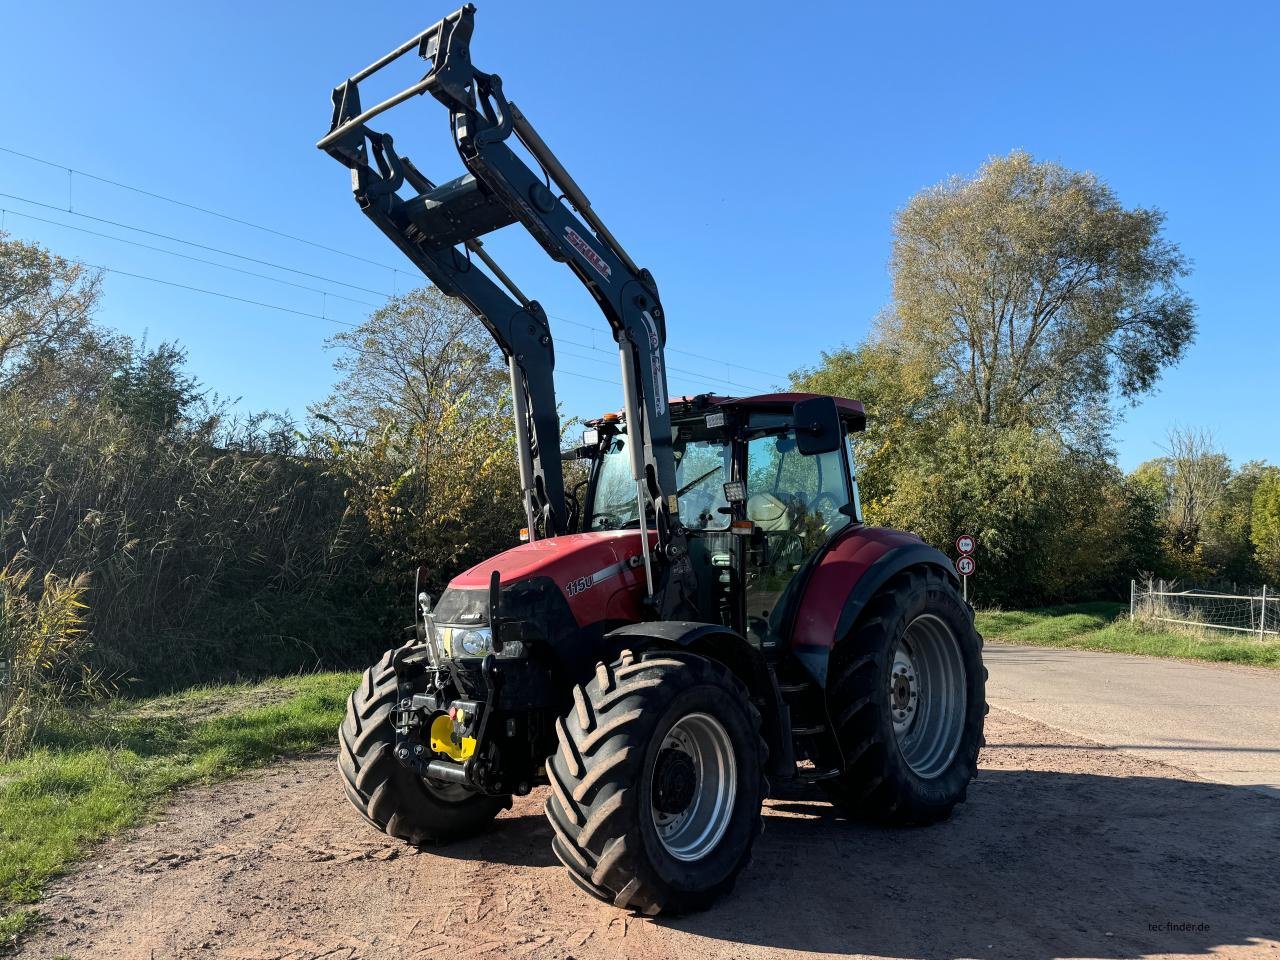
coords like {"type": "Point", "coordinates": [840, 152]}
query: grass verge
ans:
{"type": "Point", "coordinates": [92, 775]}
{"type": "Point", "coordinates": [1106, 626]}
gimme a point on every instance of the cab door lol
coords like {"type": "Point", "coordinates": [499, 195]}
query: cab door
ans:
{"type": "Point", "coordinates": [795, 505]}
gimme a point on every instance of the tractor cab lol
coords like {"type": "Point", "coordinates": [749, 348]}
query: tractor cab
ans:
{"type": "Point", "coordinates": [763, 483]}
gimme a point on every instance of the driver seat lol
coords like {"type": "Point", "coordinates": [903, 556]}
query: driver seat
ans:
{"type": "Point", "coordinates": [768, 513]}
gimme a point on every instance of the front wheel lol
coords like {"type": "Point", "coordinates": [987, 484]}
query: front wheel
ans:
{"type": "Point", "coordinates": [386, 793]}
{"type": "Point", "coordinates": [657, 783]}
{"type": "Point", "coordinates": [907, 695]}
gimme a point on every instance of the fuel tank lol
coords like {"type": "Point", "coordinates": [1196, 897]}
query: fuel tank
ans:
{"type": "Point", "coordinates": [581, 580]}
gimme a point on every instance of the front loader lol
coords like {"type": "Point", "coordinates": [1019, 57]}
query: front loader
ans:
{"type": "Point", "coordinates": [714, 621]}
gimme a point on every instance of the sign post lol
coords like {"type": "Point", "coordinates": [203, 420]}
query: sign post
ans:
{"type": "Point", "coordinates": [965, 564]}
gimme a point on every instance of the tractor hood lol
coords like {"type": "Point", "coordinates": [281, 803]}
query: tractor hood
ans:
{"type": "Point", "coordinates": [595, 577]}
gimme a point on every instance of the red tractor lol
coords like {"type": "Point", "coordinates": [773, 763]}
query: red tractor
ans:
{"type": "Point", "coordinates": [712, 619]}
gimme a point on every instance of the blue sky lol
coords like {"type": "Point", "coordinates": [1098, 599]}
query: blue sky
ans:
{"type": "Point", "coordinates": [751, 155]}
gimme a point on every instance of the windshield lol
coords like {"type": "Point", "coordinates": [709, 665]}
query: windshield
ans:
{"type": "Point", "coordinates": [702, 469]}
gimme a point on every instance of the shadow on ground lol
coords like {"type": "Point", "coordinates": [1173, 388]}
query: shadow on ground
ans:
{"type": "Point", "coordinates": [1036, 865]}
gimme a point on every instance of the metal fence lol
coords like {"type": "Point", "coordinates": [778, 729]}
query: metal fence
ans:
{"type": "Point", "coordinates": [1256, 613]}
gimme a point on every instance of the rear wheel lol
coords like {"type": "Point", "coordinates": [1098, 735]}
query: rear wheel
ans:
{"type": "Point", "coordinates": [389, 795]}
{"type": "Point", "coordinates": [907, 695]}
{"type": "Point", "coordinates": [657, 783]}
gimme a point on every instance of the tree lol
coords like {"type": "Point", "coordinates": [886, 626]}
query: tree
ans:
{"type": "Point", "coordinates": [1265, 532]}
{"type": "Point", "coordinates": [1036, 294]}
{"type": "Point", "coordinates": [1198, 475]}
{"type": "Point", "coordinates": [420, 423]}
{"type": "Point", "coordinates": [1229, 548]}
{"type": "Point", "coordinates": [46, 304]}
{"type": "Point", "coordinates": [150, 388]}
{"type": "Point", "coordinates": [1026, 299]}
{"type": "Point", "coordinates": [411, 362]}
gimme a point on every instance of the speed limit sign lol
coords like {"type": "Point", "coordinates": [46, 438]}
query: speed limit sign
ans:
{"type": "Point", "coordinates": [965, 544]}
{"type": "Point", "coordinates": [965, 566]}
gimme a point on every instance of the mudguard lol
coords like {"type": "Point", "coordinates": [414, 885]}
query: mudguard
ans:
{"type": "Point", "coordinates": [858, 562]}
{"type": "Point", "coordinates": [733, 650]}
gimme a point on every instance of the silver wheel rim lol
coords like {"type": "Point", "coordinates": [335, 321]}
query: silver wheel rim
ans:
{"type": "Point", "coordinates": [696, 746]}
{"type": "Point", "coordinates": [927, 696]}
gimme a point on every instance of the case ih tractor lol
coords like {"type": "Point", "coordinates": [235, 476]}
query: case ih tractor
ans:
{"type": "Point", "coordinates": [713, 621]}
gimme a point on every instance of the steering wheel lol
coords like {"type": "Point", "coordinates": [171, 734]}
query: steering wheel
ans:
{"type": "Point", "coordinates": [825, 495]}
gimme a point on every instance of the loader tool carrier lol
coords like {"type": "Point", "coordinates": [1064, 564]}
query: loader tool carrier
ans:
{"type": "Point", "coordinates": [712, 623]}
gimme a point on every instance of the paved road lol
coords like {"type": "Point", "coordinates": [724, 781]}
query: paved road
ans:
{"type": "Point", "coordinates": [1218, 721]}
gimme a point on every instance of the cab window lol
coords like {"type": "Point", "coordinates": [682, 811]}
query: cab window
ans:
{"type": "Point", "coordinates": [794, 503]}
{"type": "Point", "coordinates": [702, 469]}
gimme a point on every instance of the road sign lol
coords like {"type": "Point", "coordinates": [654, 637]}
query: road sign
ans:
{"type": "Point", "coordinates": [965, 566]}
{"type": "Point", "coordinates": [965, 544]}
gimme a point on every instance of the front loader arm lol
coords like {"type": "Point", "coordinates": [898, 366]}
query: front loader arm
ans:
{"type": "Point", "coordinates": [448, 257]}
{"type": "Point", "coordinates": [500, 189]}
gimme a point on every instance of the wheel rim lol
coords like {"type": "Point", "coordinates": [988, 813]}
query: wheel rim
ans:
{"type": "Point", "coordinates": [695, 782]}
{"type": "Point", "coordinates": [927, 696]}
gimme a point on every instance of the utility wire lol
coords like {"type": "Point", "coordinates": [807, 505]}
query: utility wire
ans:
{"type": "Point", "coordinates": [289, 236]}
{"type": "Point", "coordinates": [701, 387]}
{"type": "Point", "coordinates": [271, 230]}
{"type": "Point", "coordinates": [184, 256]}
{"type": "Point", "coordinates": [561, 340]}
{"type": "Point", "coordinates": [687, 353]}
{"type": "Point", "coordinates": [193, 243]}
{"type": "Point", "coordinates": [215, 293]}
{"type": "Point", "coordinates": [282, 309]}
{"type": "Point", "coordinates": [191, 206]}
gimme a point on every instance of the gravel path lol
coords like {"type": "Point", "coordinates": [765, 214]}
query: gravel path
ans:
{"type": "Point", "coordinates": [1065, 849]}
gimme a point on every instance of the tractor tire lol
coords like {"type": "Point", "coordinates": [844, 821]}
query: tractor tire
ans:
{"type": "Point", "coordinates": [907, 697]}
{"type": "Point", "coordinates": [657, 783]}
{"type": "Point", "coordinates": [385, 792]}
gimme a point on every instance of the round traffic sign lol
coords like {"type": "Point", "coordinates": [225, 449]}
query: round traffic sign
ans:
{"type": "Point", "coordinates": [965, 544]}
{"type": "Point", "coordinates": [965, 566]}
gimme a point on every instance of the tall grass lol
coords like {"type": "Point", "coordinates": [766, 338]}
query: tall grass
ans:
{"type": "Point", "coordinates": [43, 646]}
{"type": "Point", "coordinates": [212, 553]}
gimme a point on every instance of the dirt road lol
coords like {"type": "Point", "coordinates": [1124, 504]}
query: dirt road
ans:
{"type": "Point", "coordinates": [1065, 849]}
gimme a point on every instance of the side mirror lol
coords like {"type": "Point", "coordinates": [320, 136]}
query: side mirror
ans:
{"type": "Point", "coordinates": [817, 425]}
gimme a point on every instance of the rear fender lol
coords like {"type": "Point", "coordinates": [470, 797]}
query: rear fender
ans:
{"type": "Point", "coordinates": [842, 585]}
{"type": "Point", "coordinates": [745, 661]}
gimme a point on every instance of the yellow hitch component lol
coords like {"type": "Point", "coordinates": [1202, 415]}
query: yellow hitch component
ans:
{"type": "Point", "coordinates": [443, 740]}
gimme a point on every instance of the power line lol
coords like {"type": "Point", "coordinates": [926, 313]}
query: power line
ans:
{"type": "Point", "coordinates": [125, 226]}
{"type": "Point", "coordinates": [184, 256]}
{"type": "Point", "coordinates": [193, 243]}
{"type": "Point", "coordinates": [687, 353]}
{"type": "Point", "coordinates": [274, 306]}
{"type": "Point", "coordinates": [732, 383]}
{"type": "Point", "coordinates": [260, 303]}
{"type": "Point", "coordinates": [300, 313]}
{"type": "Point", "coordinates": [216, 293]}
{"type": "Point", "coordinates": [287, 236]}
{"type": "Point", "coordinates": [191, 206]}
{"type": "Point", "coordinates": [702, 387]}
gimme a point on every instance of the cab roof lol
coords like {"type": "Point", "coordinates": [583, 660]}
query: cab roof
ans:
{"type": "Point", "coordinates": [851, 411]}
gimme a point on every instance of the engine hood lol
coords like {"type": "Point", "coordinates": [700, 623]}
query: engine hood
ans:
{"type": "Point", "coordinates": [599, 576]}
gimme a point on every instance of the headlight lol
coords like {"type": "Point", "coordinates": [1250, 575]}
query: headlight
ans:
{"type": "Point", "coordinates": [475, 642]}
{"type": "Point", "coordinates": [472, 642]}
